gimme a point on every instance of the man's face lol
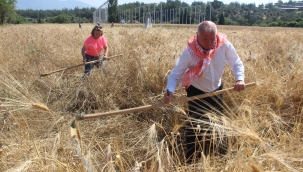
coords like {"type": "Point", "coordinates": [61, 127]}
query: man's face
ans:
{"type": "Point", "coordinates": [206, 39]}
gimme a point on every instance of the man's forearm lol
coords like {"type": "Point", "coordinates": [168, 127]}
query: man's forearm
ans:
{"type": "Point", "coordinates": [171, 84]}
{"type": "Point", "coordinates": [238, 70]}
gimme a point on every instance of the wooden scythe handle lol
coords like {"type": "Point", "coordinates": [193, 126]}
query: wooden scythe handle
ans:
{"type": "Point", "coordinates": [143, 108]}
{"type": "Point", "coordinates": [59, 70]}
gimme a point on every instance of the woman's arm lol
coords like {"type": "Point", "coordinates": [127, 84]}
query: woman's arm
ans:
{"type": "Point", "coordinates": [105, 53]}
{"type": "Point", "coordinates": [83, 53]}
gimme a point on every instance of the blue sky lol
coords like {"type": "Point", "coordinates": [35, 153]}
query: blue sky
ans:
{"type": "Point", "coordinates": [97, 3]}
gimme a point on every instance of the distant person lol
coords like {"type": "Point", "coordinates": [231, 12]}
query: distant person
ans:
{"type": "Point", "coordinates": [80, 25]}
{"type": "Point", "coordinates": [112, 25]}
{"type": "Point", "coordinates": [200, 69]}
{"type": "Point", "coordinates": [92, 49]}
{"type": "Point", "coordinates": [148, 23]}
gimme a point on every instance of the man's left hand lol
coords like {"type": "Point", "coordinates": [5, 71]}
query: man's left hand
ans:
{"type": "Point", "coordinates": [239, 86]}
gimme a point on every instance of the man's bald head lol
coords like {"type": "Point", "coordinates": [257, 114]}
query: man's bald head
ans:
{"type": "Point", "coordinates": [206, 34]}
{"type": "Point", "coordinates": [207, 26]}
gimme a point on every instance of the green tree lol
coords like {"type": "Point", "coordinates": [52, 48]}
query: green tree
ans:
{"type": "Point", "coordinates": [18, 19]}
{"type": "Point", "coordinates": [7, 8]}
{"type": "Point", "coordinates": [113, 11]}
{"type": "Point", "coordinates": [248, 18]}
{"type": "Point", "coordinates": [14, 18]}
{"type": "Point", "coordinates": [62, 18]}
{"type": "Point", "coordinates": [221, 20]}
{"type": "Point", "coordinates": [242, 21]}
{"type": "Point", "coordinates": [217, 4]}
{"type": "Point", "coordinates": [85, 20]}
{"type": "Point", "coordinates": [229, 21]}
{"type": "Point", "coordinates": [40, 20]}
{"type": "Point", "coordinates": [290, 2]}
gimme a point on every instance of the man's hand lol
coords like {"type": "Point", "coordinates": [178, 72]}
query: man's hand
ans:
{"type": "Point", "coordinates": [239, 86]}
{"type": "Point", "coordinates": [168, 96]}
{"type": "Point", "coordinates": [84, 60]}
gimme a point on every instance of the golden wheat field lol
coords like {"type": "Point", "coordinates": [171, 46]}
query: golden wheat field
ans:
{"type": "Point", "coordinates": [264, 121]}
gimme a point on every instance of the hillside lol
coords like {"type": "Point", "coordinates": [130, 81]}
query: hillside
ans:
{"type": "Point", "coordinates": [50, 4]}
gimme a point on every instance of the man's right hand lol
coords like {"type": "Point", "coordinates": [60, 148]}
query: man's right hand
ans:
{"type": "Point", "coordinates": [168, 96]}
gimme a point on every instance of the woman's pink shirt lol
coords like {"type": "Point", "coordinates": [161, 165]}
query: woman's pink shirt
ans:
{"type": "Point", "coordinates": [94, 46]}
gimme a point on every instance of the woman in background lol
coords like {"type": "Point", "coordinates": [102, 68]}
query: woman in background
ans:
{"type": "Point", "coordinates": [92, 48]}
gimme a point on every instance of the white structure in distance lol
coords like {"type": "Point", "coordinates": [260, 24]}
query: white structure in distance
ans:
{"type": "Point", "coordinates": [100, 15]}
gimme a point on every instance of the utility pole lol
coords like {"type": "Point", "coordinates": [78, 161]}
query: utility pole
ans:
{"type": "Point", "coordinates": [174, 15]}
{"type": "Point", "coordinates": [209, 10]}
{"type": "Point", "coordinates": [205, 11]}
{"type": "Point", "coordinates": [182, 15]}
{"type": "Point", "coordinates": [200, 16]}
{"type": "Point", "coordinates": [166, 16]}
{"type": "Point", "coordinates": [179, 17]}
{"type": "Point", "coordinates": [195, 15]}
{"type": "Point", "coordinates": [161, 15]}
{"type": "Point", "coordinates": [190, 15]}
{"type": "Point", "coordinates": [186, 14]}
{"type": "Point", "coordinates": [155, 13]}
{"type": "Point", "coordinates": [170, 16]}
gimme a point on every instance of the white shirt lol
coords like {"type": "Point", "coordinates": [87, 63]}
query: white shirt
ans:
{"type": "Point", "coordinates": [212, 74]}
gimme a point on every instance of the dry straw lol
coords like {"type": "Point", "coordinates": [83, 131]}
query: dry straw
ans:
{"type": "Point", "coordinates": [264, 123]}
{"type": "Point", "coordinates": [39, 106]}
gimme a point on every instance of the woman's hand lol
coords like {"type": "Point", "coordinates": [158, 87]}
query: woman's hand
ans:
{"type": "Point", "coordinates": [105, 57]}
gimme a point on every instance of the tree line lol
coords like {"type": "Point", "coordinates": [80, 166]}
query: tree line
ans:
{"type": "Point", "coordinates": [83, 15]}
{"type": "Point", "coordinates": [233, 13]}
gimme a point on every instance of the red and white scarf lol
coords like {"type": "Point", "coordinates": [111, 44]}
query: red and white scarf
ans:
{"type": "Point", "coordinates": [204, 58]}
